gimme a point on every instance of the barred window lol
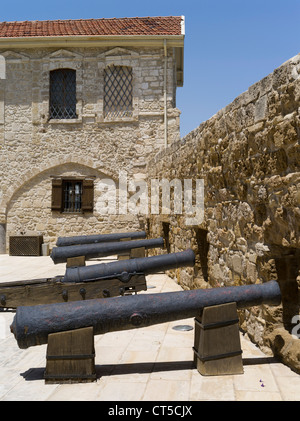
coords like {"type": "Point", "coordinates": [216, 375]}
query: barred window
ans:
{"type": "Point", "coordinates": [63, 94]}
{"type": "Point", "coordinates": [72, 195]}
{"type": "Point", "coordinates": [118, 92]}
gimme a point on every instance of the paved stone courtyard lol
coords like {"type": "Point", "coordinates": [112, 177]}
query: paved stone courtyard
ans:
{"type": "Point", "coordinates": [147, 364]}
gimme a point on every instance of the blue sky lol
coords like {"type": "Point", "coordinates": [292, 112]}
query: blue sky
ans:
{"type": "Point", "coordinates": [229, 44]}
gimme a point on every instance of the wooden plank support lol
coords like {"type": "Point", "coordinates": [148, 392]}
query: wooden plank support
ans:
{"type": "Point", "coordinates": [71, 357]}
{"type": "Point", "coordinates": [75, 261]}
{"type": "Point", "coordinates": [137, 253]}
{"type": "Point", "coordinates": [217, 347]}
{"type": "Point", "coordinates": [126, 254]}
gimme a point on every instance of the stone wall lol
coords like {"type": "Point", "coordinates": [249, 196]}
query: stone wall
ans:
{"type": "Point", "coordinates": [248, 155]}
{"type": "Point", "coordinates": [33, 147]}
{"type": "Point", "coordinates": [25, 214]}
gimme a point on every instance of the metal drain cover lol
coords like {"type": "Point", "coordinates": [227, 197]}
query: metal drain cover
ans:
{"type": "Point", "coordinates": [183, 327]}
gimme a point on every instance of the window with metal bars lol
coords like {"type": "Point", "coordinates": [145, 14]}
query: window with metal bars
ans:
{"type": "Point", "coordinates": [72, 196]}
{"type": "Point", "coordinates": [63, 94]}
{"type": "Point", "coordinates": [118, 92]}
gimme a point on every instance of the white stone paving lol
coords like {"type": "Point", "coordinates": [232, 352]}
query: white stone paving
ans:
{"type": "Point", "coordinates": [146, 364]}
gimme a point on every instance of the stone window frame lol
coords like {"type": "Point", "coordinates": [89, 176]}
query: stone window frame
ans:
{"type": "Point", "coordinates": [62, 60]}
{"type": "Point", "coordinates": [119, 57]}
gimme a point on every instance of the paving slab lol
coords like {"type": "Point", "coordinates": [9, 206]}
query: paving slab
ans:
{"type": "Point", "coordinates": [151, 364]}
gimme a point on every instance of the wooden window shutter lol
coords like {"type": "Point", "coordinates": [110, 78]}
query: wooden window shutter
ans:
{"type": "Point", "coordinates": [56, 203]}
{"type": "Point", "coordinates": [87, 195]}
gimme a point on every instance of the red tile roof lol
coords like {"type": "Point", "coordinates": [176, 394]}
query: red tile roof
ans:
{"type": "Point", "coordinates": [170, 25]}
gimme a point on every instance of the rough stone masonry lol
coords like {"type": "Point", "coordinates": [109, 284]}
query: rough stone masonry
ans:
{"type": "Point", "coordinates": [249, 157]}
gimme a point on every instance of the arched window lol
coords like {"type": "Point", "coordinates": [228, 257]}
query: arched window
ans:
{"type": "Point", "coordinates": [117, 92]}
{"type": "Point", "coordinates": [63, 94]}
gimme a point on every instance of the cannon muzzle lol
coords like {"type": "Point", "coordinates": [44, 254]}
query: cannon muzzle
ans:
{"type": "Point", "coordinates": [61, 254]}
{"type": "Point", "coordinates": [32, 325]}
{"type": "Point", "coordinates": [99, 238]}
{"type": "Point", "coordinates": [125, 269]}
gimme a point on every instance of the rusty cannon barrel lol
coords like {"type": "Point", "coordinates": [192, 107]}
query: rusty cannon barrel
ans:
{"type": "Point", "coordinates": [125, 269]}
{"type": "Point", "coordinates": [32, 324]}
{"type": "Point", "coordinates": [99, 238]}
{"type": "Point", "coordinates": [61, 254]}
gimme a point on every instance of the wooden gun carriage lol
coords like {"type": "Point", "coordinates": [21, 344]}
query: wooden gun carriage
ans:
{"type": "Point", "coordinates": [102, 280]}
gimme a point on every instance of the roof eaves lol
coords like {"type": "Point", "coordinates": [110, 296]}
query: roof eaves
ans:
{"type": "Point", "coordinates": [173, 40]}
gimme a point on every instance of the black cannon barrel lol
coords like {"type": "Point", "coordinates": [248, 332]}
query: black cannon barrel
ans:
{"type": "Point", "coordinates": [124, 269]}
{"type": "Point", "coordinates": [32, 324]}
{"type": "Point", "coordinates": [61, 254]}
{"type": "Point", "coordinates": [99, 238]}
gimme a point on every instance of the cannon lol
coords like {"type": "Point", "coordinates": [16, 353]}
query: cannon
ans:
{"type": "Point", "coordinates": [92, 250]}
{"type": "Point", "coordinates": [32, 324]}
{"type": "Point", "coordinates": [99, 238]}
{"type": "Point", "coordinates": [95, 281]}
{"type": "Point", "coordinates": [125, 269]}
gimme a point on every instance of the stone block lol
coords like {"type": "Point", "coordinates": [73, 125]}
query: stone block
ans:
{"type": "Point", "coordinates": [261, 108]}
{"type": "Point", "coordinates": [251, 272]}
{"type": "Point", "coordinates": [237, 264]}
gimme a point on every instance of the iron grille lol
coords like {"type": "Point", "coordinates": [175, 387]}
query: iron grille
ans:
{"type": "Point", "coordinates": [72, 191]}
{"type": "Point", "coordinates": [25, 245]}
{"type": "Point", "coordinates": [63, 94]}
{"type": "Point", "coordinates": [117, 92]}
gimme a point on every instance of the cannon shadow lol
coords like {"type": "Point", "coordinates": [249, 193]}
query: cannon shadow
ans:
{"type": "Point", "coordinates": [142, 368]}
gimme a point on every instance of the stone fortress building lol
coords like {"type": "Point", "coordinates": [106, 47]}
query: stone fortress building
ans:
{"type": "Point", "coordinates": [82, 100]}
